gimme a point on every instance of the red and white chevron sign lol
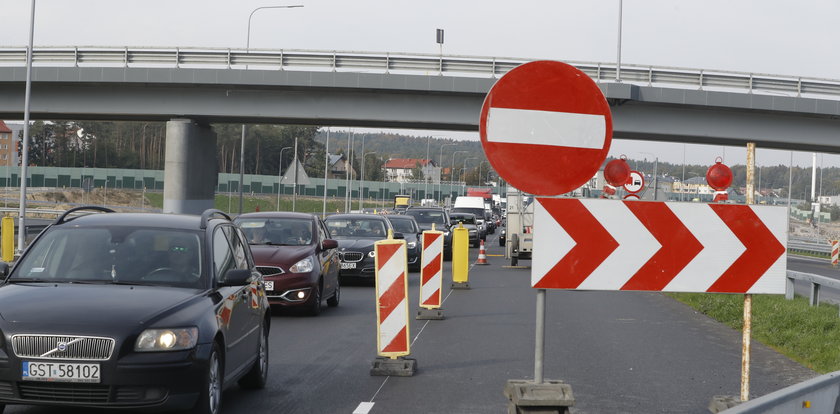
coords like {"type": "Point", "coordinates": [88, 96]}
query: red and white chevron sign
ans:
{"type": "Point", "coordinates": [391, 298]}
{"type": "Point", "coordinates": [431, 274]}
{"type": "Point", "coordinates": [596, 244]}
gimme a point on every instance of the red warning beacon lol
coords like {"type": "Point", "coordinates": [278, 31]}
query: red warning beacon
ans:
{"type": "Point", "coordinates": [616, 174]}
{"type": "Point", "coordinates": [719, 177]}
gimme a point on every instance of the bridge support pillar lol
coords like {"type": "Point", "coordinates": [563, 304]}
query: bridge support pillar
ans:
{"type": "Point", "coordinates": [190, 171]}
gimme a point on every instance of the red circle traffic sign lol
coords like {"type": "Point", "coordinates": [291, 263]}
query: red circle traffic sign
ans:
{"type": "Point", "coordinates": [546, 127]}
{"type": "Point", "coordinates": [636, 182]}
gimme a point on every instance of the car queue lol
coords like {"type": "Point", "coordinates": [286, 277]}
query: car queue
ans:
{"type": "Point", "coordinates": [193, 293]}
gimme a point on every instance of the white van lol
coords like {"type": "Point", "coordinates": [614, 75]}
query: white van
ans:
{"type": "Point", "coordinates": [474, 205]}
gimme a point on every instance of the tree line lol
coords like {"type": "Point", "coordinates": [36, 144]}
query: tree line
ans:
{"type": "Point", "coordinates": [141, 145]}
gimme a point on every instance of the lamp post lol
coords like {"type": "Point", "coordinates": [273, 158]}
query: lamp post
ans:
{"type": "Point", "coordinates": [363, 177]}
{"type": "Point", "coordinates": [440, 175]}
{"type": "Point", "coordinates": [280, 177]}
{"type": "Point", "coordinates": [24, 159]}
{"type": "Point", "coordinates": [465, 170]}
{"type": "Point", "coordinates": [326, 171]}
{"type": "Point", "coordinates": [452, 171]}
{"type": "Point", "coordinates": [242, 143]}
{"type": "Point", "coordinates": [655, 174]}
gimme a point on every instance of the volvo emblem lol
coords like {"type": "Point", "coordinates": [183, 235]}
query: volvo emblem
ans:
{"type": "Point", "coordinates": [62, 346]}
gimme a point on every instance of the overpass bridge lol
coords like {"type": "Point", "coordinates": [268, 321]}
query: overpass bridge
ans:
{"type": "Point", "coordinates": [191, 88]}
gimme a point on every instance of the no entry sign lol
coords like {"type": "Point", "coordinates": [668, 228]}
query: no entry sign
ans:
{"type": "Point", "coordinates": [546, 127]}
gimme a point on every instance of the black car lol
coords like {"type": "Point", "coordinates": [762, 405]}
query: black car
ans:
{"type": "Point", "coordinates": [413, 237]}
{"type": "Point", "coordinates": [469, 222]}
{"type": "Point", "coordinates": [426, 216]}
{"type": "Point", "coordinates": [119, 310]}
{"type": "Point", "coordinates": [356, 234]}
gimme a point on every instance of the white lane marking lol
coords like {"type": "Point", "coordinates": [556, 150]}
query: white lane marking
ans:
{"type": "Point", "coordinates": [563, 129]}
{"type": "Point", "coordinates": [363, 408]}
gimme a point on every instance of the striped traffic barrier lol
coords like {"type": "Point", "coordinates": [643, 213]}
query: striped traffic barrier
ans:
{"type": "Point", "coordinates": [835, 252]}
{"type": "Point", "coordinates": [392, 345]}
{"type": "Point", "coordinates": [431, 275]}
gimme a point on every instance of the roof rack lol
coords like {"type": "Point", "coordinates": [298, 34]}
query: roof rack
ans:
{"type": "Point", "coordinates": [63, 218]}
{"type": "Point", "coordinates": [209, 213]}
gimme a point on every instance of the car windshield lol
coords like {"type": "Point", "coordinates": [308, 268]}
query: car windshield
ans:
{"type": "Point", "coordinates": [114, 255]}
{"type": "Point", "coordinates": [277, 231]}
{"type": "Point", "coordinates": [403, 225]}
{"type": "Point", "coordinates": [343, 228]}
{"type": "Point", "coordinates": [427, 216]}
{"type": "Point", "coordinates": [463, 218]}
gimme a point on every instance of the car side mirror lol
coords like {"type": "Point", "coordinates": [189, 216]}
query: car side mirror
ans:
{"type": "Point", "coordinates": [236, 277]}
{"type": "Point", "coordinates": [4, 269]}
{"type": "Point", "coordinates": [328, 244]}
{"type": "Point", "coordinates": [398, 235]}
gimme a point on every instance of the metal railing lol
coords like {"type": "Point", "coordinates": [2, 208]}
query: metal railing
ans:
{"type": "Point", "coordinates": [817, 395]}
{"type": "Point", "coordinates": [816, 283]}
{"type": "Point", "coordinates": [425, 64]}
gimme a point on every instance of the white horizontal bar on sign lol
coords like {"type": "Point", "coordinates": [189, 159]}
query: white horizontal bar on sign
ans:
{"type": "Point", "coordinates": [564, 129]}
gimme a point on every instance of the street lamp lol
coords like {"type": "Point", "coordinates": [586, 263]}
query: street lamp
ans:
{"type": "Point", "coordinates": [280, 177]}
{"type": "Point", "coordinates": [465, 167]}
{"type": "Point", "coordinates": [655, 174]}
{"type": "Point", "coordinates": [452, 171]}
{"type": "Point", "coordinates": [363, 177]}
{"type": "Point", "coordinates": [425, 173]}
{"type": "Point", "coordinates": [24, 159]}
{"type": "Point", "coordinates": [242, 143]}
{"type": "Point", "coordinates": [440, 175]}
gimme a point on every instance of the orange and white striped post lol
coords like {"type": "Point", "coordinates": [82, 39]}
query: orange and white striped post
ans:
{"type": "Point", "coordinates": [835, 252]}
{"type": "Point", "coordinates": [431, 275]}
{"type": "Point", "coordinates": [392, 344]}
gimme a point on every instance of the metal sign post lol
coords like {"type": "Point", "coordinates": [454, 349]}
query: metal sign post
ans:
{"type": "Point", "coordinates": [747, 333]}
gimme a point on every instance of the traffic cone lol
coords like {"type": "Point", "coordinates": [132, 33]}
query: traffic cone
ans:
{"type": "Point", "coordinates": [482, 258]}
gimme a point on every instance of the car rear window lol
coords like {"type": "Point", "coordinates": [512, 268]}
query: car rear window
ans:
{"type": "Point", "coordinates": [427, 216]}
{"type": "Point", "coordinates": [350, 228]}
{"type": "Point", "coordinates": [403, 225]}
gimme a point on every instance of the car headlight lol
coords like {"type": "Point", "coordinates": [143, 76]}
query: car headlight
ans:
{"type": "Point", "coordinates": [303, 266]}
{"type": "Point", "coordinates": [372, 253]}
{"type": "Point", "coordinates": [177, 339]}
{"type": "Point", "coordinates": [412, 245]}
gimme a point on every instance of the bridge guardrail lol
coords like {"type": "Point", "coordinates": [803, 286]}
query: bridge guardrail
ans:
{"type": "Point", "coordinates": [406, 63]}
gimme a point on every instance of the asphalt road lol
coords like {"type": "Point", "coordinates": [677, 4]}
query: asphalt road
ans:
{"type": "Point", "coordinates": [622, 352]}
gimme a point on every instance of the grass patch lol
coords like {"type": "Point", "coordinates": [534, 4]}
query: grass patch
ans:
{"type": "Point", "coordinates": [806, 334]}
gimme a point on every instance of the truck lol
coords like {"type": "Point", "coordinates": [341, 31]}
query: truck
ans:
{"type": "Point", "coordinates": [401, 202]}
{"type": "Point", "coordinates": [519, 230]}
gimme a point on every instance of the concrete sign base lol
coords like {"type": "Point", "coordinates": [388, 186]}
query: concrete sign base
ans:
{"type": "Point", "coordinates": [460, 285]}
{"type": "Point", "coordinates": [549, 397]}
{"type": "Point", "coordinates": [397, 367]}
{"type": "Point", "coordinates": [433, 314]}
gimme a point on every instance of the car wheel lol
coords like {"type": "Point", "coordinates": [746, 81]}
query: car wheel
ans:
{"type": "Point", "coordinates": [258, 375]}
{"type": "Point", "coordinates": [2, 407]}
{"type": "Point", "coordinates": [333, 301]}
{"type": "Point", "coordinates": [501, 242]}
{"type": "Point", "coordinates": [514, 260]}
{"type": "Point", "coordinates": [210, 397]}
{"type": "Point", "coordinates": [315, 306]}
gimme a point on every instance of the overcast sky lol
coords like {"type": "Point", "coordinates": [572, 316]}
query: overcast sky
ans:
{"type": "Point", "coordinates": [770, 36]}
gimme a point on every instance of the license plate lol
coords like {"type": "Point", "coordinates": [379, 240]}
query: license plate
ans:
{"type": "Point", "coordinates": [269, 284]}
{"type": "Point", "coordinates": [345, 265]}
{"type": "Point", "coordinates": [60, 372]}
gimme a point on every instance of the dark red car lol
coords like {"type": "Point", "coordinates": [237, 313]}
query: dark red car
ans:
{"type": "Point", "coordinates": [296, 257]}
